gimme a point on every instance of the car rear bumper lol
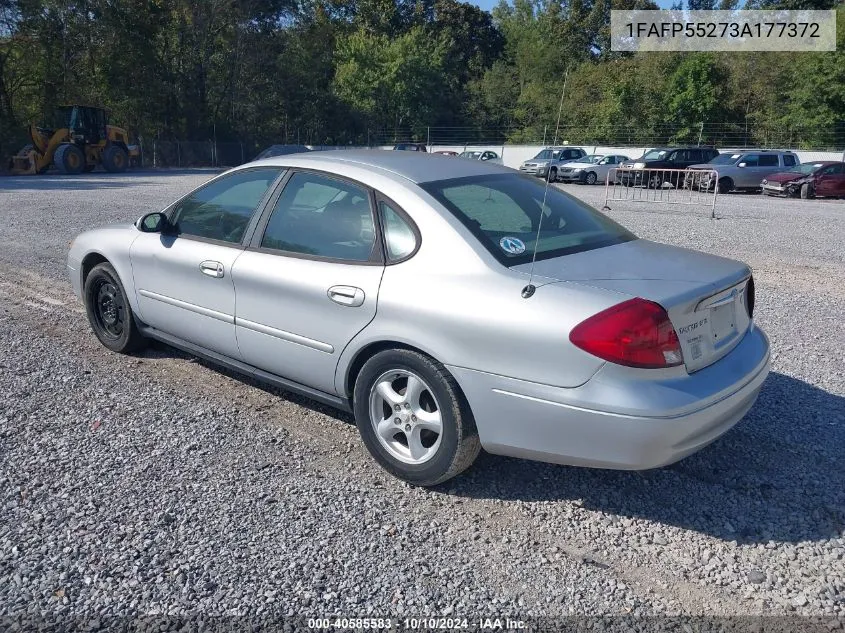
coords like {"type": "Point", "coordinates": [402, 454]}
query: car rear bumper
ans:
{"type": "Point", "coordinates": [621, 418]}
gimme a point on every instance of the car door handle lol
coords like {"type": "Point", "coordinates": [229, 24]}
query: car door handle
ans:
{"type": "Point", "coordinates": [346, 295]}
{"type": "Point", "coordinates": [212, 268]}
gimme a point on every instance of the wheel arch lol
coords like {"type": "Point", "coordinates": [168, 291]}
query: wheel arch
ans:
{"type": "Point", "coordinates": [353, 368]}
{"type": "Point", "coordinates": [88, 262]}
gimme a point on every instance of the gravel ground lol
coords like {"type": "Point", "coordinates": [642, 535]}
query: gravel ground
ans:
{"type": "Point", "coordinates": [159, 485]}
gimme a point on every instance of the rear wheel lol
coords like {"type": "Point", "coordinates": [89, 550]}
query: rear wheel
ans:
{"type": "Point", "coordinates": [413, 418]}
{"type": "Point", "coordinates": [109, 313]}
{"type": "Point", "coordinates": [115, 159]}
{"type": "Point", "coordinates": [69, 159]}
{"type": "Point", "coordinates": [725, 185]}
{"type": "Point", "coordinates": [591, 178]}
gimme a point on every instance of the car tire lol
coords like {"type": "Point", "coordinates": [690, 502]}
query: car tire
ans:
{"type": "Point", "coordinates": [423, 450]}
{"type": "Point", "coordinates": [553, 174]}
{"type": "Point", "coordinates": [591, 178]}
{"type": "Point", "coordinates": [726, 185]}
{"type": "Point", "coordinates": [109, 312]}
{"type": "Point", "coordinates": [654, 182]}
{"type": "Point", "coordinates": [69, 159]}
{"type": "Point", "coordinates": [807, 191]}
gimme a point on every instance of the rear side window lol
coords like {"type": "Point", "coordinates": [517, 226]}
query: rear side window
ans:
{"type": "Point", "coordinates": [503, 211]}
{"type": "Point", "coordinates": [222, 209]}
{"type": "Point", "coordinates": [322, 217]}
{"type": "Point", "coordinates": [768, 160]}
{"type": "Point", "coordinates": [399, 238]}
{"type": "Point", "coordinates": [789, 160]}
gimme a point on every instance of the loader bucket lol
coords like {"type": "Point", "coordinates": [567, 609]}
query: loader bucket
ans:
{"type": "Point", "coordinates": [24, 162]}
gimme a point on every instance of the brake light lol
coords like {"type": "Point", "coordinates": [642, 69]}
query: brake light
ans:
{"type": "Point", "coordinates": [636, 333]}
{"type": "Point", "coordinates": [749, 297]}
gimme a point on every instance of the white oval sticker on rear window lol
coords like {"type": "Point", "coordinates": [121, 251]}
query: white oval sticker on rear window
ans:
{"type": "Point", "coordinates": [512, 245]}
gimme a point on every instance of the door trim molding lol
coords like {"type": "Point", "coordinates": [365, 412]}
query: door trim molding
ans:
{"type": "Point", "coordinates": [214, 314]}
{"type": "Point", "coordinates": [290, 337]}
{"type": "Point", "coordinates": [343, 404]}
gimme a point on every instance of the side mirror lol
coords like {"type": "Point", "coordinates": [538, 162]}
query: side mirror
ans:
{"type": "Point", "coordinates": [742, 165]}
{"type": "Point", "coordinates": [152, 223]}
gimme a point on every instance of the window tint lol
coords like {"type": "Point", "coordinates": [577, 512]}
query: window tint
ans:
{"type": "Point", "coordinates": [509, 206]}
{"type": "Point", "coordinates": [694, 155]}
{"type": "Point", "coordinates": [751, 160]}
{"type": "Point", "coordinates": [222, 209]}
{"type": "Point", "coordinates": [832, 169]}
{"type": "Point", "coordinates": [399, 237]}
{"type": "Point", "coordinates": [320, 216]}
{"type": "Point", "coordinates": [768, 160]}
{"type": "Point", "coordinates": [789, 160]}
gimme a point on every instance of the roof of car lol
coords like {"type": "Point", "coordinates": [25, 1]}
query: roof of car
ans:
{"type": "Point", "coordinates": [417, 167]}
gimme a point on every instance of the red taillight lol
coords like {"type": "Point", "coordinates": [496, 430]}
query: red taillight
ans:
{"type": "Point", "coordinates": [636, 333]}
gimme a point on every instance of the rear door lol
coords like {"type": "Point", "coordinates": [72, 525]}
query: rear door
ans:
{"type": "Point", "coordinates": [309, 280]}
{"type": "Point", "coordinates": [831, 181]}
{"type": "Point", "coordinates": [183, 279]}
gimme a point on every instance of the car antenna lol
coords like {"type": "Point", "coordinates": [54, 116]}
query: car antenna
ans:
{"type": "Point", "coordinates": [528, 291]}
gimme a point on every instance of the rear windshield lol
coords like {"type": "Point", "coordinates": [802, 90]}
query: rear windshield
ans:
{"type": "Point", "coordinates": [503, 212]}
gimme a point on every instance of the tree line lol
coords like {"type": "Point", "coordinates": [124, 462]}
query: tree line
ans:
{"type": "Point", "coordinates": [338, 72]}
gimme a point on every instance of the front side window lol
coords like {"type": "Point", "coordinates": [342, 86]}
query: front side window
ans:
{"type": "Point", "coordinates": [751, 160]}
{"type": "Point", "coordinates": [322, 217]}
{"type": "Point", "coordinates": [832, 170]}
{"type": "Point", "coordinates": [789, 160]}
{"type": "Point", "coordinates": [399, 238]}
{"type": "Point", "coordinates": [222, 209]}
{"type": "Point", "coordinates": [502, 210]}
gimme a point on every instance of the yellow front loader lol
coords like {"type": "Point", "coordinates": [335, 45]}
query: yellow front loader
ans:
{"type": "Point", "coordinates": [80, 140]}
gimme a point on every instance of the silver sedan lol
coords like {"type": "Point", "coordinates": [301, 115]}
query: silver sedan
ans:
{"type": "Point", "coordinates": [399, 286]}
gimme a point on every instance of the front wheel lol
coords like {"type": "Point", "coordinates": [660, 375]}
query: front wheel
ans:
{"type": "Point", "coordinates": [591, 178]}
{"type": "Point", "coordinates": [553, 174]}
{"type": "Point", "coordinates": [413, 418]}
{"type": "Point", "coordinates": [109, 313]}
{"type": "Point", "coordinates": [807, 191]}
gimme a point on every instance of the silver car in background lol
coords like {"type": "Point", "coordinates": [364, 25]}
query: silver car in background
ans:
{"type": "Point", "coordinates": [548, 161]}
{"type": "Point", "coordinates": [590, 169]}
{"type": "Point", "coordinates": [742, 171]}
{"type": "Point", "coordinates": [398, 286]}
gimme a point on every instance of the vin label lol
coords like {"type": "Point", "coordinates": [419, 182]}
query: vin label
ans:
{"type": "Point", "coordinates": [683, 30]}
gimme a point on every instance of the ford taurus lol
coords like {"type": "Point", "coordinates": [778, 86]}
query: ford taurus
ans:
{"type": "Point", "coordinates": [399, 286]}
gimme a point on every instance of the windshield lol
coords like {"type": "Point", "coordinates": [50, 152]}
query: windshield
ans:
{"type": "Point", "coordinates": [655, 154]}
{"type": "Point", "coordinates": [589, 158]}
{"type": "Point", "coordinates": [806, 168]}
{"type": "Point", "coordinates": [475, 155]}
{"type": "Point", "coordinates": [725, 159]}
{"type": "Point", "coordinates": [547, 154]}
{"type": "Point", "coordinates": [503, 212]}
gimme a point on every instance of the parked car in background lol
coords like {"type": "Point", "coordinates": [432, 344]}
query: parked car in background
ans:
{"type": "Point", "coordinates": [547, 163]}
{"type": "Point", "coordinates": [281, 150]}
{"type": "Point", "coordinates": [808, 180]}
{"type": "Point", "coordinates": [630, 354]}
{"type": "Point", "coordinates": [742, 171]}
{"type": "Point", "coordinates": [629, 173]}
{"type": "Point", "coordinates": [446, 152]}
{"type": "Point", "coordinates": [481, 155]}
{"type": "Point", "coordinates": [589, 169]}
{"type": "Point", "coordinates": [410, 147]}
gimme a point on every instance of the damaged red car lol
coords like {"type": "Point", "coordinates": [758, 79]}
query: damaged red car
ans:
{"type": "Point", "coordinates": [808, 180]}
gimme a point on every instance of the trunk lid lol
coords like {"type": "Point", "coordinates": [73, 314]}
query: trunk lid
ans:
{"type": "Point", "coordinates": [704, 295]}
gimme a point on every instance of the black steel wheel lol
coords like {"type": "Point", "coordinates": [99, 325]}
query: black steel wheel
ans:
{"type": "Point", "coordinates": [109, 313]}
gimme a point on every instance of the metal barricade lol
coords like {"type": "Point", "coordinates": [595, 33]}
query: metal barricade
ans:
{"type": "Point", "coordinates": [692, 187]}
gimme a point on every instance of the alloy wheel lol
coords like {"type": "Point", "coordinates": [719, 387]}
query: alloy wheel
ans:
{"type": "Point", "coordinates": [405, 416]}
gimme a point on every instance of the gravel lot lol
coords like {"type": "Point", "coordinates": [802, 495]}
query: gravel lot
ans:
{"type": "Point", "coordinates": [158, 485]}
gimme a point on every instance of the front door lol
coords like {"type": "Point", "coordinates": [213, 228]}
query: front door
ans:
{"type": "Point", "coordinates": [183, 277]}
{"type": "Point", "coordinates": [309, 281]}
